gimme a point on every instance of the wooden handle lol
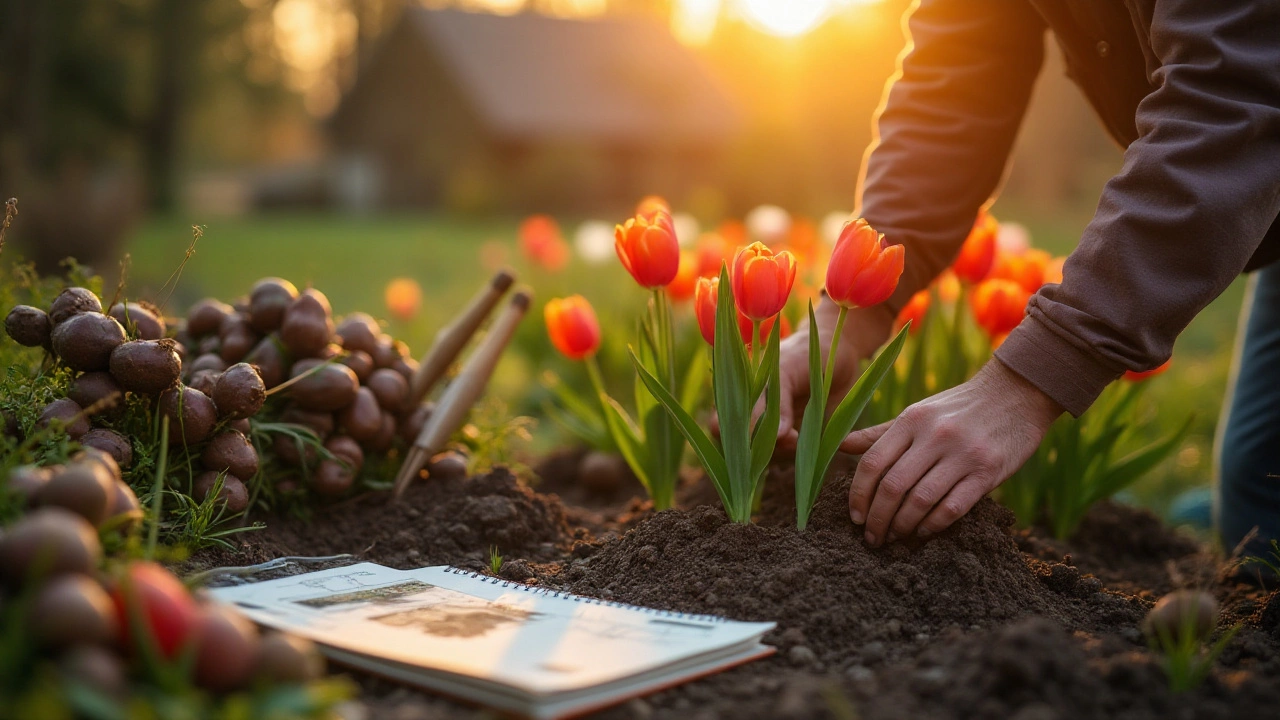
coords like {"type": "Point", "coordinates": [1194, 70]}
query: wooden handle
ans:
{"type": "Point", "coordinates": [456, 403]}
{"type": "Point", "coordinates": [454, 337]}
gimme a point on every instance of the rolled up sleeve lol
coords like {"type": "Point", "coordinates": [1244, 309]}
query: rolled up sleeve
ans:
{"type": "Point", "coordinates": [1197, 193]}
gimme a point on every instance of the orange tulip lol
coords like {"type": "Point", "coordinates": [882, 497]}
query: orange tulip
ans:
{"type": "Point", "coordinates": [647, 247]}
{"type": "Point", "coordinates": [999, 305]}
{"type": "Point", "coordinates": [686, 280]}
{"type": "Point", "coordinates": [705, 299]}
{"type": "Point", "coordinates": [713, 252]}
{"type": "Point", "coordinates": [1027, 268]}
{"type": "Point", "coordinates": [914, 310]}
{"type": "Point", "coordinates": [572, 326]}
{"type": "Point", "coordinates": [978, 251]}
{"type": "Point", "coordinates": [948, 286]}
{"type": "Point", "coordinates": [762, 280]}
{"type": "Point", "coordinates": [403, 297]}
{"type": "Point", "coordinates": [542, 243]}
{"type": "Point", "coordinates": [1139, 376]}
{"type": "Point", "coordinates": [863, 271]}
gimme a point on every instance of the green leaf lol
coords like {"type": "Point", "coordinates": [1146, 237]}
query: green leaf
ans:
{"type": "Point", "coordinates": [630, 443]}
{"type": "Point", "coordinates": [765, 434]}
{"type": "Point", "coordinates": [710, 457]}
{"type": "Point", "coordinates": [1137, 464]}
{"type": "Point", "coordinates": [841, 422]}
{"type": "Point", "coordinates": [733, 400]}
{"type": "Point", "coordinates": [807, 448]}
{"type": "Point", "coordinates": [694, 379]}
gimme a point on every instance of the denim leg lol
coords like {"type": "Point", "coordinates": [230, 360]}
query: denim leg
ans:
{"type": "Point", "coordinates": [1248, 452]}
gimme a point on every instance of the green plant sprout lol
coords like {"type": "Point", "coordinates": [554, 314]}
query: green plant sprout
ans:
{"type": "Point", "coordinates": [1186, 660]}
{"type": "Point", "coordinates": [738, 465]}
{"type": "Point", "coordinates": [1271, 563]}
{"type": "Point", "coordinates": [495, 560]}
{"type": "Point", "coordinates": [1079, 463]}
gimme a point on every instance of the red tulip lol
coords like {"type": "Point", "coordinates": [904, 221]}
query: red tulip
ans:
{"type": "Point", "coordinates": [999, 305]}
{"type": "Point", "coordinates": [913, 311]}
{"type": "Point", "coordinates": [863, 271]}
{"type": "Point", "coordinates": [978, 251]}
{"type": "Point", "coordinates": [1140, 375]}
{"type": "Point", "coordinates": [647, 247]}
{"type": "Point", "coordinates": [652, 203]}
{"type": "Point", "coordinates": [404, 297]}
{"type": "Point", "coordinates": [762, 280]}
{"type": "Point", "coordinates": [705, 299]}
{"type": "Point", "coordinates": [1027, 268]}
{"type": "Point", "coordinates": [1053, 271]}
{"type": "Point", "coordinates": [157, 597]}
{"type": "Point", "coordinates": [572, 326]}
{"type": "Point", "coordinates": [542, 243]}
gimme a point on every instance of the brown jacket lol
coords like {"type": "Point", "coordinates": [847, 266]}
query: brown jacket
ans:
{"type": "Point", "coordinates": [1190, 88]}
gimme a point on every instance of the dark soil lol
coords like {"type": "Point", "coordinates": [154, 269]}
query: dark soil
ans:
{"type": "Point", "coordinates": [979, 622]}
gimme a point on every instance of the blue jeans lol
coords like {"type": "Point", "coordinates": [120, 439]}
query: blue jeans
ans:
{"type": "Point", "coordinates": [1248, 444]}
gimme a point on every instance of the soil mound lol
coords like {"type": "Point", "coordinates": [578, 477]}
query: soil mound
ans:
{"type": "Point", "coordinates": [829, 592]}
{"type": "Point", "coordinates": [439, 521]}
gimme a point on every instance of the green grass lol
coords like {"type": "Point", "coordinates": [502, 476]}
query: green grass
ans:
{"type": "Point", "coordinates": [351, 259]}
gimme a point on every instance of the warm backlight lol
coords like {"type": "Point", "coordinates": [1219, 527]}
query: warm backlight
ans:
{"type": "Point", "coordinates": [785, 18]}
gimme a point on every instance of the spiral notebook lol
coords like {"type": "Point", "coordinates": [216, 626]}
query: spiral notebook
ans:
{"type": "Point", "coordinates": [520, 649]}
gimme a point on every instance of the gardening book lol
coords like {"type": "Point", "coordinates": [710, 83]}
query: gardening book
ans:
{"type": "Point", "coordinates": [521, 649]}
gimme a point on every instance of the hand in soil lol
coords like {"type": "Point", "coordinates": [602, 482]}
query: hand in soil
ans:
{"type": "Point", "coordinates": [922, 471]}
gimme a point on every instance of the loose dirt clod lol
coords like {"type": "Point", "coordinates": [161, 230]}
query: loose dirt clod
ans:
{"type": "Point", "coordinates": [146, 366]}
{"type": "Point", "coordinates": [28, 326]}
{"type": "Point", "coordinates": [73, 301]}
{"type": "Point", "coordinates": [239, 392]}
{"type": "Point", "coordinates": [359, 332]}
{"type": "Point", "coordinates": [360, 363]}
{"type": "Point", "coordinates": [237, 338]}
{"type": "Point", "coordinates": [268, 357]}
{"type": "Point", "coordinates": [362, 419]}
{"type": "Point", "coordinates": [390, 388]}
{"type": "Point", "coordinates": [85, 341]}
{"type": "Point", "coordinates": [307, 325]}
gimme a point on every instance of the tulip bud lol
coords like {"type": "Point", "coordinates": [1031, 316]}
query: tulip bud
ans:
{"type": "Point", "coordinates": [646, 245]}
{"type": "Point", "coordinates": [762, 281]}
{"type": "Point", "coordinates": [999, 305]}
{"type": "Point", "coordinates": [978, 251]}
{"type": "Point", "coordinates": [863, 271]}
{"type": "Point", "coordinates": [914, 311]}
{"type": "Point", "coordinates": [572, 326]}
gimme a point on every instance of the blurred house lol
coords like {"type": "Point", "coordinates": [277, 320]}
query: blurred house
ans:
{"type": "Point", "coordinates": [486, 112]}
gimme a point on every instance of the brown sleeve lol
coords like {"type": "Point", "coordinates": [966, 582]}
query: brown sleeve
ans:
{"type": "Point", "coordinates": [1197, 193]}
{"type": "Point", "coordinates": [946, 125]}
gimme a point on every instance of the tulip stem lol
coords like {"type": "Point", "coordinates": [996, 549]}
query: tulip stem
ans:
{"type": "Point", "coordinates": [597, 380]}
{"type": "Point", "coordinates": [755, 343]}
{"type": "Point", "coordinates": [829, 374]}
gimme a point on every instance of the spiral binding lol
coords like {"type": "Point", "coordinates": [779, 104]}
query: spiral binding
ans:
{"type": "Point", "coordinates": [549, 592]}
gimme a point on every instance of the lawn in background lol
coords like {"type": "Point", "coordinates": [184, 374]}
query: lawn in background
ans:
{"type": "Point", "coordinates": [352, 258]}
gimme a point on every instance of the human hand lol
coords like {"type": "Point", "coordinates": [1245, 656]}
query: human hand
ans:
{"type": "Point", "coordinates": [922, 471]}
{"type": "Point", "coordinates": [865, 330]}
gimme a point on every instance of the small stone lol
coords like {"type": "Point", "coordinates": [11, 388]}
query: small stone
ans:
{"type": "Point", "coordinates": [640, 710]}
{"type": "Point", "coordinates": [932, 679]}
{"type": "Point", "coordinates": [873, 652]}
{"type": "Point", "coordinates": [802, 655]}
{"type": "Point", "coordinates": [922, 637]}
{"type": "Point", "coordinates": [1132, 634]}
{"type": "Point", "coordinates": [860, 673]}
{"type": "Point", "coordinates": [413, 554]}
{"type": "Point", "coordinates": [893, 627]}
{"type": "Point", "coordinates": [648, 554]}
{"type": "Point", "coordinates": [516, 570]}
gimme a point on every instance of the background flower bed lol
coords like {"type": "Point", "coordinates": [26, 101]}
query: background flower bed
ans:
{"type": "Point", "coordinates": [351, 258]}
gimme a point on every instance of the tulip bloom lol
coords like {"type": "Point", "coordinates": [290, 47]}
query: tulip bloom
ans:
{"type": "Point", "coordinates": [863, 271]}
{"type": "Point", "coordinates": [650, 204]}
{"type": "Point", "coordinates": [572, 326]}
{"type": "Point", "coordinates": [542, 243]}
{"type": "Point", "coordinates": [1053, 271]}
{"type": "Point", "coordinates": [948, 286]}
{"type": "Point", "coordinates": [762, 280]}
{"type": "Point", "coordinates": [1140, 375]}
{"type": "Point", "coordinates": [403, 297]}
{"type": "Point", "coordinates": [646, 245]}
{"type": "Point", "coordinates": [686, 280]}
{"type": "Point", "coordinates": [713, 252]}
{"type": "Point", "coordinates": [978, 251]}
{"type": "Point", "coordinates": [999, 305]}
{"type": "Point", "coordinates": [914, 311]}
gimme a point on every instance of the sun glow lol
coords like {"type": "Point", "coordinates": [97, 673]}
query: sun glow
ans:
{"type": "Point", "coordinates": [785, 18]}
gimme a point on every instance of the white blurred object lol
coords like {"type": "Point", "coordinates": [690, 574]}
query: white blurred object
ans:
{"type": "Point", "coordinates": [1013, 238]}
{"type": "Point", "coordinates": [687, 228]}
{"type": "Point", "coordinates": [832, 224]}
{"type": "Point", "coordinates": [594, 241]}
{"type": "Point", "coordinates": [768, 224]}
